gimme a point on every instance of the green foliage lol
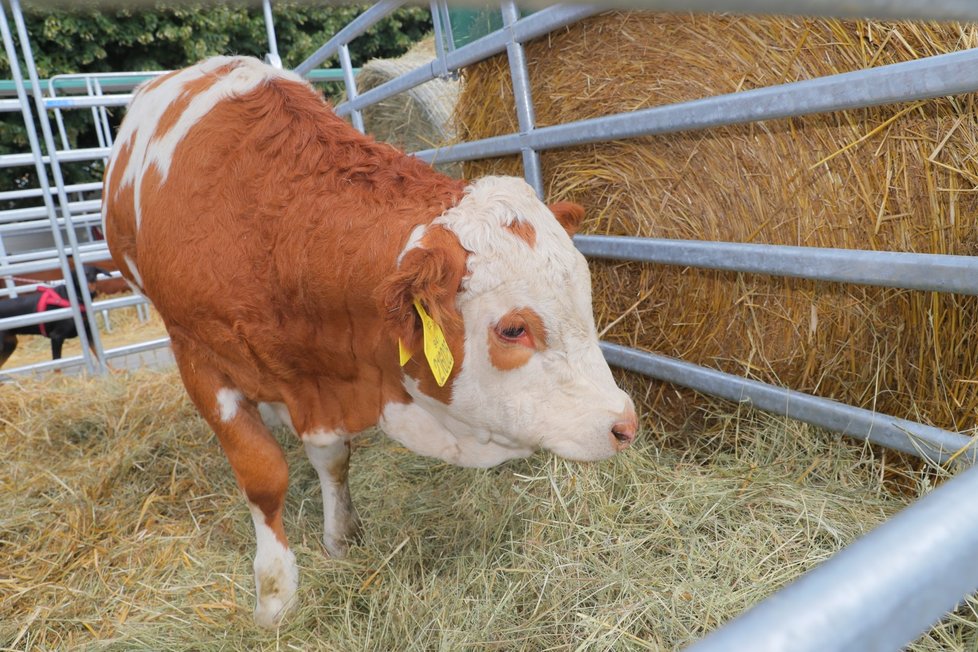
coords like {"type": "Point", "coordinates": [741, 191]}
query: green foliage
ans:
{"type": "Point", "coordinates": [167, 37]}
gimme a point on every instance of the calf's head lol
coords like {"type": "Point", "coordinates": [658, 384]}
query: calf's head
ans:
{"type": "Point", "coordinates": [500, 275]}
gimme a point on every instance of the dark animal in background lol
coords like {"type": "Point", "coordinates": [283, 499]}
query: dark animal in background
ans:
{"type": "Point", "coordinates": [41, 301]}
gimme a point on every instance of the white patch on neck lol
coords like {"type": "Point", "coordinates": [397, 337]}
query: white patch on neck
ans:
{"type": "Point", "coordinates": [414, 241]}
{"type": "Point", "coordinates": [276, 574]}
{"type": "Point", "coordinates": [227, 403]}
{"type": "Point", "coordinates": [149, 106]}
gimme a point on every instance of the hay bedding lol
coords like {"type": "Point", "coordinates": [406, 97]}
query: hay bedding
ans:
{"type": "Point", "coordinates": [900, 178]}
{"type": "Point", "coordinates": [121, 528]}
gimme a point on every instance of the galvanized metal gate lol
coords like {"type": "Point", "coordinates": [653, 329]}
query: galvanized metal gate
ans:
{"type": "Point", "coordinates": [881, 591]}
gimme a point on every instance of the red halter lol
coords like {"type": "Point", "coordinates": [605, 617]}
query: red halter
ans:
{"type": "Point", "coordinates": [48, 297]}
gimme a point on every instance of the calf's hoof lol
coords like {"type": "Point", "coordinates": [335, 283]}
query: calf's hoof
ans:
{"type": "Point", "coordinates": [275, 585]}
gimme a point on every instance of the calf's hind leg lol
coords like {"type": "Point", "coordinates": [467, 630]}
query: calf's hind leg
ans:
{"type": "Point", "coordinates": [262, 473]}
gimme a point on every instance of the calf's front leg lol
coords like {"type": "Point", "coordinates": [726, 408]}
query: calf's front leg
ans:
{"type": "Point", "coordinates": [329, 454]}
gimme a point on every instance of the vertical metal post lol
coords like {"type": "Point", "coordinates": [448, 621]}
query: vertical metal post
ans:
{"type": "Point", "coordinates": [8, 43]}
{"type": "Point", "coordinates": [8, 281]}
{"type": "Point", "coordinates": [83, 326]}
{"type": "Point", "coordinates": [59, 120]}
{"type": "Point", "coordinates": [436, 22]}
{"type": "Point", "coordinates": [272, 58]}
{"type": "Point", "coordinates": [447, 25]}
{"type": "Point", "coordinates": [99, 134]}
{"type": "Point", "coordinates": [351, 84]}
{"type": "Point", "coordinates": [103, 117]}
{"type": "Point", "coordinates": [524, 100]}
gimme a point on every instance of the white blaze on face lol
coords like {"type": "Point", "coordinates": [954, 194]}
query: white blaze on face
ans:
{"type": "Point", "coordinates": [543, 381]}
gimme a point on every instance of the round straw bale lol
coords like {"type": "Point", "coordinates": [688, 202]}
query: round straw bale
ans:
{"type": "Point", "coordinates": [899, 178]}
{"type": "Point", "coordinates": [416, 119]}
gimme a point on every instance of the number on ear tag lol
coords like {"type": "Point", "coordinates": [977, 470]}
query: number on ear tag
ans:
{"type": "Point", "coordinates": [436, 350]}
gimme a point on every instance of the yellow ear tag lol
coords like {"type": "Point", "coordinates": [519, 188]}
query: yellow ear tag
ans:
{"type": "Point", "coordinates": [436, 350]}
{"type": "Point", "coordinates": [403, 352]}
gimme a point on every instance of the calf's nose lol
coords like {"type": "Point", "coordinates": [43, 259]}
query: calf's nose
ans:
{"type": "Point", "coordinates": [623, 431]}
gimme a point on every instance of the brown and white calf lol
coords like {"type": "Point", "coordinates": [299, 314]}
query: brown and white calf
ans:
{"type": "Point", "coordinates": [291, 259]}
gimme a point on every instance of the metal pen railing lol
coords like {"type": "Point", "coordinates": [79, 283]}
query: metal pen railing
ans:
{"type": "Point", "coordinates": [809, 621]}
{"type": "Point", "coordinates": [880, 592]}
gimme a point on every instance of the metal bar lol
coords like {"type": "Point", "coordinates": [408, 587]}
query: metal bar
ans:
{"type": "Point", "coordinates": [925, 441]}
{"type": "Point", "coordinates": [35, 146]}
{"type": "Point", "coordinates": [76, 361]}
{"type": "Point", "coordinates": [10, 286]}
{"type": "Point", "coordinates": [439, 21]}
{"type": "Point", "coordinates": [446, 25]}
{"type": "Point", "coordinates": [32, 193]}
{"type": "Point", "coordinates": [533, 26]}
{"type": "Point", "coordinates": [878, 593]}
{"type": "Point", "coordinates": [273, 58]}
{"type": "Point", "coordinates": [927, 272]}
{"type": "Point", "coordinates": [88, 324]}
{"type": "Point", "coordinates": [64, 156]}
{"type": "Point", "coordinates": [103, 114]}
{"type": "Point", "coordinates": [63, 313]}
{"type": "Point", "coordinates": [59, 120]}
{"type": "Point", "coordinates": [94, 101]}
{"type": "Point", "coordinates": [96, 119]}
{"type": "Point", "coordinates": [351, 84]}
{"type": "Point", "coordinates": [894, 9]}
{"type": "Point", "coordinates": [525, 115]}
{"type": "Point", "coordinates": [129, 349]}
{"type": "Point", "coordinates": [121, 302]}
{"type": "Point", "coordinates": [39, 226]}
{"type": "Point", "coordinates": [63, 363]}
{"type": "Point", "coordinates": [15, 214]}
{"type": "Point", "coordinates": [36, 261]}
{"type": "Point", "coordinates": [946, 74]}
{"type": "Point", "coordinates": [353, 29]}
{"type": "Point", "coordinates": [35, 318]}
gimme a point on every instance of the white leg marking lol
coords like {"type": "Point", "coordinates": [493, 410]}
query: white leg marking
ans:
{"type": "Point", "coordinates": [276, 574]}
{"type": "Point", "coordinates": [227, 403]}
{"type": "Point", "coordinates": [329, 454]}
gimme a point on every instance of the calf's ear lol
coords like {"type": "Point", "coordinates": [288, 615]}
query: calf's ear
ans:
{"type": "Point", "coordinates": [431, 274]}
{"type": "Point", "coordinates": [569, 214]}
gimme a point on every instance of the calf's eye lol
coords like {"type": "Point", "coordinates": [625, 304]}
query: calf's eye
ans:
{"type": "Point", "coordinates": [512, 332]}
